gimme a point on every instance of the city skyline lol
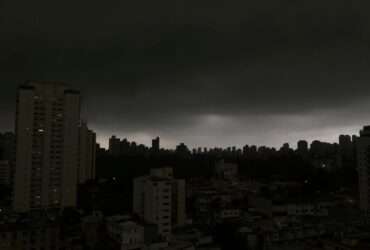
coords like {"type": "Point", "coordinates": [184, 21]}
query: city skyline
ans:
{"type": "Point", "coordinates": [291, 137]}
{"type": "Point", "coordinates": [146, 139]}
{"type": "Point", "coordinates": [206, 74]}
{"type": "Point", "coordinates": [325, 134]}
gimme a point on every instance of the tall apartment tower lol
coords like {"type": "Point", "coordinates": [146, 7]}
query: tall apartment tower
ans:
{"type": "Point", "coordinates": [87, 155]}
{"type": "Point", "coordinates": [160, 199]}
{"type": "Point", "coordinates": [47, 146]}
{"type": "Point", "coordinates": [363, 167]}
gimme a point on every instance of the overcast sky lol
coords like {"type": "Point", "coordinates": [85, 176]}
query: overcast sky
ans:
{"type": "Point", "coordinates": [203, 72]}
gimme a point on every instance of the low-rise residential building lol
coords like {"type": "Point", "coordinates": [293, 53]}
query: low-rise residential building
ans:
{"type": "Point", "coordinates": [160, 199]}
{"type": "Point", "coordinates": [129, 234]}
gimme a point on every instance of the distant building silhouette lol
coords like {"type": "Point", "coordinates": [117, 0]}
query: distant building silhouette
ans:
{"type": "Point", "coordinates": [156, 144]}
{"type": "Point", "coordinates": [285, 148]}
{"type": "Point", "coordinates": [87, 153]}
{"type": "Point", "coordinates": [114, 145]}
{"type": "Point", "coordinates": [363, 166]}
{"type": "Point", "coordinates": [182, 149]}
{"type": "Point", "coordinates": [346, 153]}
{"type": "Point", "coordinates": [47, 146]}
{"type": "Point", "coordinates": [118, 147]}
{"type": "Point", "coordinates": [302, 147]}
{"type": "Point", "coordinates": [345, 140]}
{"type": "Point", "coordinates": [253, 149]}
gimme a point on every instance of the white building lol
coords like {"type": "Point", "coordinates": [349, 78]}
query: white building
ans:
{"type": "Point", "coordinates": [363, 167]}
{"type": "Point", "coordinates": [318, 209]}
{"type": "Point", "coordinates": [47, 146]}
{"type": "Point", "coordinates": [160, 199]}
{"type": "Point", "coordinates": [158, 204]}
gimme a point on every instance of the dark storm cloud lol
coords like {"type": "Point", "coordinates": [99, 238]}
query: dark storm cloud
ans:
{"type": "Point", "coordinates": [165, 67]}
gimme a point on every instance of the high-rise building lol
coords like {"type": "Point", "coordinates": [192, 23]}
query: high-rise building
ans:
{"type": "Point", "coordinates": [47, 146]}
{"type": "Point", "coordinates": [346, 156]}
{"type": "Point", "coordinates": [363, 167]}
{"type": "Point", "coordinates": [156, 144]}
{"type": "Point", "coordinates": [124, 147]}
{"type": "Point", "coordinates": [114, 145]}
{"type": "Point", "coordinates": [160, 199]}
{"type": "Point", "coordinates": [302, 147]}
{"type": "Point", "coordinates": [87, 155]}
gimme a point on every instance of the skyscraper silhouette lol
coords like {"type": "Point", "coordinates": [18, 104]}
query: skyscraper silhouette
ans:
{"type": "Point", "coordinates": [156, 144]}
{"type": "Point", "coordinates": [87, 153]}
{"type": "Point", "coordinates": [363, 166]}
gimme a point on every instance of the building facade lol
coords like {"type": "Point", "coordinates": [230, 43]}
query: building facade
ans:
{"type": "Point", "coordinates": [363, 167]}
{"type": "Point", "coordinates": [160, 199]}
{"type": "Point", "coordinates": [47, 146]}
